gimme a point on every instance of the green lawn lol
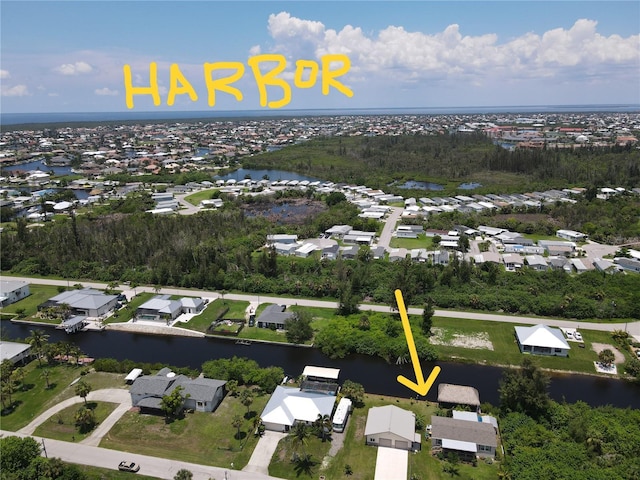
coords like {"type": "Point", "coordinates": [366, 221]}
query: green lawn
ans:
{"type": "Point", "coordinates": [126, 313]}
{"type": "Point", "coordinates": [196, 198]}
{"type": "Point", "coordinates": [204, 438]}
{"type": "Point", "coordinates": [283, 466]}
{"type": "Point", "coordinates": [62, 425]}
{"type": "Point", "coordinates": [97, 473]}
{"type": "Point", "coordinates": [36, 397]}
{"type": "Point", "coordinates": [200, 323]}
{"type": "Point", "coordinates": [421, 242]}
{"type": "Point", "coordinates": [39, 294]}
{"type": "Point", "coordinates": [506, 351]}
{"type": "Point", "coordinates": [362, 458]}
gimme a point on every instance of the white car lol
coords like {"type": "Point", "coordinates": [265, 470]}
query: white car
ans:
{"type": "Point", "coordinates": [577, 336]}
{"type": "Point", "coordinates": [569, 334]}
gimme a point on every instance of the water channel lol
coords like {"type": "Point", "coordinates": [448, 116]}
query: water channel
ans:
{"type": "Point", "coordinates": [373, 373]}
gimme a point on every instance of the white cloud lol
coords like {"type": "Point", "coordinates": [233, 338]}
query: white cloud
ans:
{"type": "Point", "coordinates": [106, 92]}
{"type": "Point", "coordinates": [255, 50]}
{"type": "Point", "coordinates": [401, 55]}
{"type": "Point", "coordinates": [77, 68]}
{"type": "Point", "coordinates": [15, 91]}
{"type": "Point", "coordinates": [4, 74]}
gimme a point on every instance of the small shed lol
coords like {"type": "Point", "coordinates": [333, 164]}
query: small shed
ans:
{"type": "Point", "coordinates": [450, 395]}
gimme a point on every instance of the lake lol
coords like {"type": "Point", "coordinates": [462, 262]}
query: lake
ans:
{"type": "Point", "coordinates": [273, 175]}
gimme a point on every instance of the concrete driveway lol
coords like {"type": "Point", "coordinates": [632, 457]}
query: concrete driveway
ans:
{"type": "Point", "coordinates": [261, 457]}
{"type": "Point", "coordinates": [391, 464]}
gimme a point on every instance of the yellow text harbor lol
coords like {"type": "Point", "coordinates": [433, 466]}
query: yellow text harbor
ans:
{"type": "Point", "coordinates": [179, 85]}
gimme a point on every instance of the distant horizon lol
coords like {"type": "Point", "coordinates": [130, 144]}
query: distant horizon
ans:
{"type": "Point", "coordinates": [18, 118]}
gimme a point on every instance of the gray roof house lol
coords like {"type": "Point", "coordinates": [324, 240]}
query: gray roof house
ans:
{"type": "Point", "coordinates": [87, 302]}
{"type": "Point", "coordinates": [273, 315]}
{"type": "Point", "coordinates": [12, 291]}
{"type": "Point", "coordinates": [201, 394]}
{"type": "Point", "coordinates": [14, 352]}
{"type": "Point", "coordinates": [466, 439]}
{"type": "Point", "coordinates": [391, 426]}
{"type": "Point", "coordinates": [162, 308]}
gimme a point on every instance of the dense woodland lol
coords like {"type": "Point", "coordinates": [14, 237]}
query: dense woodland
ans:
{"type": "Point", "coordinates": [224, 250]}
{"type": "Point", "coordinates": [547, 440]}
{"type": "Point", "coordinates": [451, 159]}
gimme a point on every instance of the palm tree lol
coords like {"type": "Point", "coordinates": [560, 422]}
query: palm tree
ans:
{"type": "Point", "coordinates": [7, 391]}
{"type": "Point", "coordinates": [324, 426]}
{"type": "Point", "coordinates": [246, 399]}
{"type": "Point", "coordinates": [299, 437]}
{"type": "Point", "coordinates": [237, 423]}
{"type": "Point", "coordinates": [38, 340]}
{"type": "Point", "coordinates": [82, 390]}
{"type": "Point", "coordinates": [84, 419]}
{"type": "Point", "coordinates": [45, 374]}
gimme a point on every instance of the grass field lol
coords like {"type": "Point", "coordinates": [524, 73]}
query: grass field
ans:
{"type": "Point", "coordinates": [36, 397]}
{"type": "Point", "coordinates": [200, 323]}
{"type": "Point", "coordinates": [362, 458]}
{"type": "Point", "coordinates": [204, 438]}
{"type": "Point", "coordinates": [39, 294]}
{"type": "Point", "coordinates": [506, 351]}
{"type": "Point", "coordinates": [421, 242]}
{"type": "Point", "coordinates": [196, 198]}
{"type": "Point", "coordinates": [62, 425]}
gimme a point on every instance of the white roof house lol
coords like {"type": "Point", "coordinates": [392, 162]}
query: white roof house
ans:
{"type": "Point", "coordinates": [542, 340]}
{"type": "Point", "coordinates": [289, 405]}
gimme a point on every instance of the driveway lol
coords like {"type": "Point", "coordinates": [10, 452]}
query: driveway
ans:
{"type": "Point", "coordinates": [391, 464]}
{"type": "Point", "coordinates": [261, 457]}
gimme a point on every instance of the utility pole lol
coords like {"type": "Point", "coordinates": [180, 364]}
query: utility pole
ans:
{"type": "Point", "coordinates": [45, 449]}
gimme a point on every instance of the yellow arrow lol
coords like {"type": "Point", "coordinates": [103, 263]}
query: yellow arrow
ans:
{"type": "Point", "coordinates": [420, 386]}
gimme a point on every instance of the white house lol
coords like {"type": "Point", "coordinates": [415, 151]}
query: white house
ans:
{"type": "Point", "coordinates": [14, 352]}
{"type": "Point", "coordinates": [391, 426]}
{"type": "Point", "coordinates": [12, 291]}
{"type": "Point", "coordinates": [289, 405]}
{"type": "Point", "coordinates": [542, 340]}
{"type": "Point", "coordinates": [572, 235]}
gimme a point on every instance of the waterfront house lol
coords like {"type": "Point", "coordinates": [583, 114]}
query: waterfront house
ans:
{"type": "Point", "coordinates": [16, 353]}
{"type": "Point", "coordinates": [162, 308]}
{"type": "Point", "coordinates": [392, 426]}
{"type": "Point", "coordinates": [86, 302]}
{"type": "Point", "coordinates": [12, 291]}
{"type": "Point", "coordinates": [289, 405]}
{"type": "Point", "coordinates": [274, 316]}
{"type": "Point", "coordinates": [465, 438]}
{"type": "Point", "coordinates": [542, 340]}
{"type": "Point", "coordinates": [201, 394]}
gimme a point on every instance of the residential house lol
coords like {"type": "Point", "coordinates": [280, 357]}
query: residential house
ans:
{"type": "Point", "coordinates": [450, 395]}
{"type": "Point", "coordinates": [571, 235]}
{"type": "Point", "coordinates": [630, 264]}
{"type": "Point", "coordinates": [465, 438]}
{"type": "Point", "coordinates": [512, 261]}
{"type": "Point", "coordinates": [163, 308]}
{"type": "Point", "coordinates": [409, 231]}
{"type": "Point", "coordinates": [12, 291]}
{"type": "Point", "coordinates": [289, 405]}
{"type": "Point", "coordinates": [536, 262]}
{"type": "Point", "coordinates": [281, 238]}
{"type": "Point", "coordinates": [85, 302]}
{"type": "Point", "coordinates": [201, 394]}
{"type": "Point", "coordinates": [542, 340]}
{"type": "Point", "coordinates": [274, 316]}
{"type": "Point", "coordinates": [556, 247]}
{"type": "Point", "coordinates": [392, 426]}
{"type": "Point", "coordinates": [16, 353]}
{"type": "Point", "coordinates": [338, 231]}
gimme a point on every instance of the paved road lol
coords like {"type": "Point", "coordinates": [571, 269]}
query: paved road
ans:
{"type": "Point", "coordinates": [389, 227]}
{"type": "Point", "coordinates": [631, 327]}
{"type": "Point", "coordinates": [152, 466]}
{"type": "Point", "coordinates": [186, 208]}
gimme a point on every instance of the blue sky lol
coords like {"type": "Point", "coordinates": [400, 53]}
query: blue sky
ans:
{"type": "Point", "coordinates": [67, 56]}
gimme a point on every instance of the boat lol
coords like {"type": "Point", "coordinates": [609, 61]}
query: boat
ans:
{"type": "Point", "coordinates": [243, 342]}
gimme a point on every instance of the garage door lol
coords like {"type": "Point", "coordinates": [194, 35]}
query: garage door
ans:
{"type": "Point", "coordinates": [386, 442]}
{"type": "Point", "coordinates": [403, 444]}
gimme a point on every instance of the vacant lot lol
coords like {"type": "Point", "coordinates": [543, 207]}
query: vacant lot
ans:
{"type": "Point", "coordinates": [443, 336]}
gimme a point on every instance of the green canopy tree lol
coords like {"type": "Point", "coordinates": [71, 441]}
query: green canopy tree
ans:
{"type": "Point", "coordinates": [525, 390]}
{"type": "Point", "coordinates": [84, 419]}
{"type": "Point", "coordinates": [172, 404]}
{"type": "Point", "coordinates": [38, 341]}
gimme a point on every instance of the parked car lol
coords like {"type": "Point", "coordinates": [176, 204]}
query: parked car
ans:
{"type": "Point", "coordinates": [569, 334]}
{"type": "Point", "coordinates": [578, 336]}
{"type": "Point", "coordinates": [128, 466]}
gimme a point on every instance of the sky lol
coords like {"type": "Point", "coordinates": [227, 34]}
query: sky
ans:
{"type": "Point", "coordinates": [68, 56]}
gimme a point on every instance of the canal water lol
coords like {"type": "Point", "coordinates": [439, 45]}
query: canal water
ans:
{"type": "Point", "coordinates": [374, 374]}
{"type": "Point", "coordinates": [273, 175]}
